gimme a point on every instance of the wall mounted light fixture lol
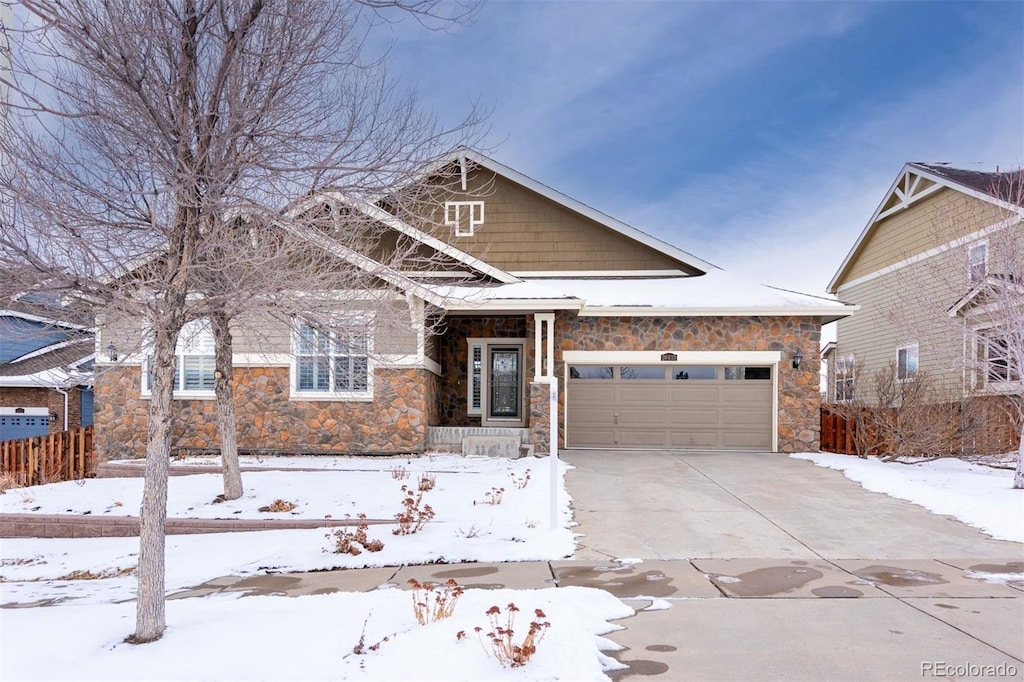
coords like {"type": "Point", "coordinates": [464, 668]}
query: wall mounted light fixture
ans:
{"type": "Point", "coordinates": [798, 357]}
{"type": "Point", "coordinates": [112, 351]}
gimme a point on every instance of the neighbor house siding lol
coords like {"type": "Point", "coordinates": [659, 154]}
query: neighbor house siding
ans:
{"type": "Point", "coordinates": [931, 222]}
{"type": "Point", "coordinates": [524, 231]}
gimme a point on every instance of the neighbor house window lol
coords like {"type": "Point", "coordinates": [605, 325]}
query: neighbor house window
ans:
{"type": "Point", "coordinates": [977, 262]}
{"type": "Point", "coordinates": [906, 362]}
{"type": "Point", "coordinates": [844, 378]}
{"type": "Point", "coordinates": [1000, 365]}
{"type": "Point", "coordinates": [333, 363]}
{"type": "Point", "coordinates": [194, 362]}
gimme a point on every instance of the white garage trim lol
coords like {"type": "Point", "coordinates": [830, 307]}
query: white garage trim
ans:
{"type": "Point", "coordinates": [654, 357]}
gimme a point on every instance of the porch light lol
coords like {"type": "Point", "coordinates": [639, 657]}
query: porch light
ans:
{"type": "Point", "coordinates": [112, 351]}
{"type": "Point", "coordinates": [798, 357]}
{"type": "Point", "coordinates": [53, 417]}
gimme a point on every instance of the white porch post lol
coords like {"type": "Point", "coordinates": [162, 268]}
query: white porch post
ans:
{"type": "Point", "coordinates": [543, 371]}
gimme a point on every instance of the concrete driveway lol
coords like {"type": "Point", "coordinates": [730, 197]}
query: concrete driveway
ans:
{"type": "Point", "coordinates": [756, 566]}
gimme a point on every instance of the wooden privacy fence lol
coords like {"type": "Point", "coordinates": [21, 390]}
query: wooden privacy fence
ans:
{"type": "Point", "coordinates": [836, 433]}
{"type": "Point", "coordinates": [63, 456]}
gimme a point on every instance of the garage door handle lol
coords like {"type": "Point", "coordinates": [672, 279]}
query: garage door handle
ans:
{"type": "Point", "coordinates": [616, 419]}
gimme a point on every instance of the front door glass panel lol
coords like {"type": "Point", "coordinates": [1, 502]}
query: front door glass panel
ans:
{"type": "Point", "coordinates": [504, 389]}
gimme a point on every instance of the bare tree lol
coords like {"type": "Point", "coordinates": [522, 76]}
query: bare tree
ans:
{"type": "Point", "coordinates": [973, 292]}
{"type": "Point", "coordinates": [149, 140]}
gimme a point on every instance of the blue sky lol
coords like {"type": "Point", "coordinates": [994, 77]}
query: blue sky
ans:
{"type": "Point", "coordinates": [759, 136]}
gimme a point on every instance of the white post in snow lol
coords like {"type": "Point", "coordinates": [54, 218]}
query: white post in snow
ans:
{"type": "Point", "coordinates": [553, 457]}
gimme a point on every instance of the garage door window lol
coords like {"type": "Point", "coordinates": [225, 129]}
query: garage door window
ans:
{"type": "Point", "coordinates": [695, 373]}
{"type": "Point", "coordinates": [656, 373]}
{"type": "Point", "coordinates": [590, 372]}
{"type": "Point", "coordinates": [749, 373]}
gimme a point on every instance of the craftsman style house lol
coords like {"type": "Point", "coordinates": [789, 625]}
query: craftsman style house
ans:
{"type": "Point", "coordinates": [651, 346]}
{"type": "Point", "coordinates": [941, 243]}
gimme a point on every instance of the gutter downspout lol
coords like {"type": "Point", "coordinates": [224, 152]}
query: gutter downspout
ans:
{"type": "Point", "coordinates": [66, 398]}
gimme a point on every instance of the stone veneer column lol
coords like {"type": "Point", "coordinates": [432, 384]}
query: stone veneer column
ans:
{"type": "Point", "coordinates": [540, 418]}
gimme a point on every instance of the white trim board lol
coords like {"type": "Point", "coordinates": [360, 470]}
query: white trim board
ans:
{"type": "Point", "coordinates": [935, 251]}
{"type": "Point", "coordinates": [683, 357]}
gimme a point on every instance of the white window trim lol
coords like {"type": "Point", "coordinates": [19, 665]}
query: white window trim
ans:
{"type": "Point", "coordinates": [482, 345]}
{"type": "Point", "coordinates": [146, 390]}
{"type": "Point", "coordinates": [476, 216]}
{"type": "Point", "coordinates": [844, 370]}
{"type": "Point", "coordinates": [339, 396]}
{"type": "Point", "coordinates": [981, 336]}
{"type": "Point", "coordinates": [917, 355]}
{"type": "Point", "coordinates": [970, 265]}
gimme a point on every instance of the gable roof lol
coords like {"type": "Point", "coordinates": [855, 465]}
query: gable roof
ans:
{"type": "Point", "coordinates": [917, 180]}
{"type": "Point", "coordinates": [383, 217]}
{"type": "Point", "coordinates": [464, 154]}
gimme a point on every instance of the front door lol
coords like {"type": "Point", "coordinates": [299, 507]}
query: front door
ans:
{"type": "Point", "coordinates": [504, 386]}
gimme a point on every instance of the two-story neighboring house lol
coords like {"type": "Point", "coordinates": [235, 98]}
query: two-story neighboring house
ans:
{"type": "Point", "coordinates": [941, 242]}
{"type": "Point", "coordinates": [652, 346]}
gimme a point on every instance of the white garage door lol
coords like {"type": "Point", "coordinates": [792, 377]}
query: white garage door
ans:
{"type": "Point", "coordinates": [658, 406]}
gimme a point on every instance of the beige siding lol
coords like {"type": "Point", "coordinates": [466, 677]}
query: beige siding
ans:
{"type": "Point", "coordinates": [910, 305]}
{"type": "Point", "coordinates": [525, 231]}
{"type": "Point", "coordinates": [931, 222]}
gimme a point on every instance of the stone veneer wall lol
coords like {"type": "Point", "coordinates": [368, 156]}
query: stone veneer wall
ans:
{"type": "Point", "coordinates": [540, 418]}
{"type": "Point", "coordinates": [24, 396]}
{"type": "Point", "coordinates": [454, 360]}
{"type": "Point", "coordinates": [799, 396]}
{"type": "Point", "coordinates": [395, 421]}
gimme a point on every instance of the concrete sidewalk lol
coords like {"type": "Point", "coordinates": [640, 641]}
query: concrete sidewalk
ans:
{"type": "Point", "coordinates": [720, 619]}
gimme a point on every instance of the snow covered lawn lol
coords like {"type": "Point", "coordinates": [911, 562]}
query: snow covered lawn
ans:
{"type": "Point", "coordinates": [223, 636]}
{"type": "Point", "coordinates": [978, 495]}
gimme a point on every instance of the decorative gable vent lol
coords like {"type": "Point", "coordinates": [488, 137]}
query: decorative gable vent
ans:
{"type": "Point", "coordinates": [464, 216]}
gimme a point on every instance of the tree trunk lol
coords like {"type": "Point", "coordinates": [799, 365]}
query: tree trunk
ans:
{"type": "Point", "coordinates": [1018, 476]}
{"type": "Point", "coordinates": [226, 423]}
{"type": "Point", "coordinates": [150, 617]}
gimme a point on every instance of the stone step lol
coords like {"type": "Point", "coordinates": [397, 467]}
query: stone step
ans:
{"type": "Point", "coordinates": [492, 446]}
{"type": "Point", "coordinates": [453, 435]}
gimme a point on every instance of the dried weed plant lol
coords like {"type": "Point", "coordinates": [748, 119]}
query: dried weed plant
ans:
{"type": "Point", "coordinates": [353, 542]}
{"type": "Point", "coordinates": [278, 505]}
{"type": "Point", "coordinates": [491, 497]}
{"type": "Point", "coordinates": [432, 602]}
{"type": "Point", "coordinates": [427, 482]}
{"type": "Point", "coordinates": [501, 636]}
{"type": "Point", "coordinates": [520, 482]}
{"type": "Point", "coordinates": [414, 513]}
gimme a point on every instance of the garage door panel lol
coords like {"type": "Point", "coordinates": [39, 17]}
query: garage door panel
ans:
{"type": "Point", "coordinates": [695, 393]}
{"type": "Point", "coordinates": [588, 392]}
{"type": "Point", "coordinates": [746, 418]}
{"type": "Point", "coordinates": [746, 395]}
{"type": "Point", "coordinates": [637, 438]}
{"type": "Point", "coordinates": [693, 439]}
{"type": "Point", "coordinates": [643, 416]}
{"type": "Point", "coordinates": [740, 440]}
{"type": "Point", "coordinates": [642, 394]}
{"type": "Point", "coordinates": [695, 417]}
{"type": "Point", "coordinates": [589, 437]}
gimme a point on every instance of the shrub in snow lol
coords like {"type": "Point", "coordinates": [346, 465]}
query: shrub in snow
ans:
{"type": "Point", "coordinates": [348, 542]}
{"type": "Point", "coordinates": [502, 636]}
{"type": "Point", "coordinates": [413, 515]}
{"type": "Point", "coordinates": [431, 602]}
